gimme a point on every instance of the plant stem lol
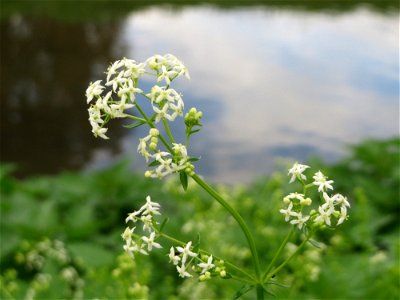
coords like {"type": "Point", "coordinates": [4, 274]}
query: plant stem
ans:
{"type": "Point", "coordinates": [276, 270]}
{"type": "Point", "coordinates": [281, 247]}
{"type": "Point", "coordinates": [153, 126]}
{"type": "Point", "coordinates": [260, 292]}
{"type": "Point", "coordinates": [168, 131]}
{"type": "Point", "coordinates": [238, 219]}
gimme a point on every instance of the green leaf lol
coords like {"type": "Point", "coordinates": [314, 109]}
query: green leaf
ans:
{"type": "Point", "coordinates": [134, 125]}
{"type": "Point", "coordinates": [196, 245]}
{"type": "Point", "coordinates": [243, 290]}
{"type": "Point", "coordinates": [163, 224]}
{"type": "Point", "coordinates": [194, 158]}
{"type": "Point", "coordinates": [194, 131]}
{"type": "Point", "coordinates": [154, 163]}
{"type": "Point", "coordinates": [184, 179]}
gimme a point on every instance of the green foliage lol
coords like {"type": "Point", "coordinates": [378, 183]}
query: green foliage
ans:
{"type": "Point", "coordinates": [60, 235]}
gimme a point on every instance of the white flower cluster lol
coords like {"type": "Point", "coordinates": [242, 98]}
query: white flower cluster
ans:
{"type": "Point", "coordinates": [334, 206]}
{"type": "Point", "coordinates": [122, 78]}
{"type": "Point", "coordinates": [142, 244]}
{"type": "Point", "coordinates": [167, 103]}
{"type": "Point", "coordinates": [164, 162]}
{"type": "Point", "coordinates": [183, 257]}
{"type": "Point", "coordinates": [167, 67]}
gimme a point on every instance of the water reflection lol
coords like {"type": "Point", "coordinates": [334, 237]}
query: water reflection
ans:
{"type": "Point", "coordinates": [45, 68]}
{"type": "Point", "coordinates": [272, 83]}
{"type": "Point", "coordinates": [277, 83]}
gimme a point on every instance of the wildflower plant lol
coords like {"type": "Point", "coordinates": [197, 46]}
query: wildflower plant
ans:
{"type": "Point", "coordinates": [121, 96]}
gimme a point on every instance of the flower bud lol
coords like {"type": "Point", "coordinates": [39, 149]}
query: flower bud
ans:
{"type": "Point", "coordinates": [222, 273]}
{"type": "Point", "coordinates": [154, 132]}
{"type": "Point", "coordinates": [153, 146]}
{"type": "Point", "coordinates": [306, 202]}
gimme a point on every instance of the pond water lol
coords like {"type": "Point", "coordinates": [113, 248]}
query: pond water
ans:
{"type": "Point", "coordinates": [275, 85]}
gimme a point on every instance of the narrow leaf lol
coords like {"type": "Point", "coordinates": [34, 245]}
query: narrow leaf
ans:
{"type": "Point", "coordinates": [163, 224]}
{"type": "Point", "coordinates": [134, 125]}
{"type": "Point", "coordinates": [243, 290]}
{"type": "Point", "coordinates": [194, 158]}
{"type": "Point", "coordinates": [196, 245]}
{"type": "Point", "coordinates": [154, 163]}
{"type": "Point", "coordinates": [184, 179]}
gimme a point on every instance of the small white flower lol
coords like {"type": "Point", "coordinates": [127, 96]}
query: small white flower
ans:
{"type": "Point", "coordinates": [95, 89]}
{"type": "Point", "coordinates": [182, 271]}
{"type": "Point", "coordinates": [300, 221]}
{"type": "Point", "coordinates": [179, 149]}
{"type": "Point", "coordinates": [321, 181]}
{"type": "Point", "coordinates": [206, 266]}
{"type": "Point", "coordinates": [325, 212]}
{"type": "Point", "coordinates": [133, 69]}
{"type": "Point", "coordinates": [100, 132]}
{"type": "Point", "coordinates": [127, 235]}
{"type": "Point", "coordinates": [132, 217]}
{"type": "Point", "coordinates": [112, 70]}
{"type": "Point", "coordinates": [343, 215]}
{"type": "Point", "coordinates": [296, 195]}
{"type": "Point", "coordinates": [297, 172]}
{"type": "Point", "coordinates": [340, 199]}
{"type": "Point", "coordinates": [117, 81]}
{"type": "Point", "coordinates": [186, 252]}
{"type": "Point", "coordinates": [172, 257]}
{"type": "Point", "coordinates": [147, 221]}
{"type": "Point", "coordinates": [150, 241]}
{"type": "Point", "coordinates": [287, 212]}
{"type": "Point", "coordinates": [132, 248]}
{"type": "Point", "coordinates": [150, 207]}
{"type": "Point", "coordinates": [329, 201]}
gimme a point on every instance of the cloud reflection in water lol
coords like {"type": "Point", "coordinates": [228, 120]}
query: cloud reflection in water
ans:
{"type": "Point", "coordinates": [275, 83]}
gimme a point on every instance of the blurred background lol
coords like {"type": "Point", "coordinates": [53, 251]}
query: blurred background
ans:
{"type": "Point", "coordinates": [314, 81]}
{"type": "Point", "coordinates": [274, 79]}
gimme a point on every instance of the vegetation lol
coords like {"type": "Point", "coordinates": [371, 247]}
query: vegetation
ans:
{"type": "Point", "coordinates": [107, 9]}
{"type": "Point", "coordinates": [61, 236]}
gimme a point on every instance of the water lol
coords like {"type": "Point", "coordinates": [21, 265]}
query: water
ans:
{"type": "Point", "coordinates": [274, 84]}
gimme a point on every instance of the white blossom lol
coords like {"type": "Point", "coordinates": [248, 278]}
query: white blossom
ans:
{"type": "Point", "coordinates": [287, 212]}
{"type": "Point", "coordinates": [325, 212]}
{"type": "Point", "coordinates": [186, 252]}
{"type": "Point", "coordinates": [206, 265]}
{"type": "Point", "coordinates": [95, 89]}
{"type": "Point", "coordinates": [182, 271]}
{"type": "Point", "coordinates": [321, 181]}
{"type": "Point", "coordinates": [150, 241]}
{"type": "Point", "coordinates": [172, 257]}
{"type": "Point", "coordinates": [297, 172]}
{"type": "Point", "coordinates": [300, 221]}
{"type": "Point", "coordinates": [343, 215]}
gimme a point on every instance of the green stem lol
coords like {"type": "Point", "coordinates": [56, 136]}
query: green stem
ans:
{"type": "Point", "coordinates": [168, 131]}
{"type": "Point", "coordinates": [276, 270]}
{"type": "Point", "coordinates": [260, 292]}
{"type": "Point", "coordinates": [238, 219]}
{"type": "Point", "coordinates": [148, 121]}
{"type": "Point", "coordinates": [229, 264]}
{"type": "Point", "coordinates": [281, 247]}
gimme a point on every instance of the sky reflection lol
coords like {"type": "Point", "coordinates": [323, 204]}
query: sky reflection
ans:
{"type": "Point", "coordinates": [276, 83]}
